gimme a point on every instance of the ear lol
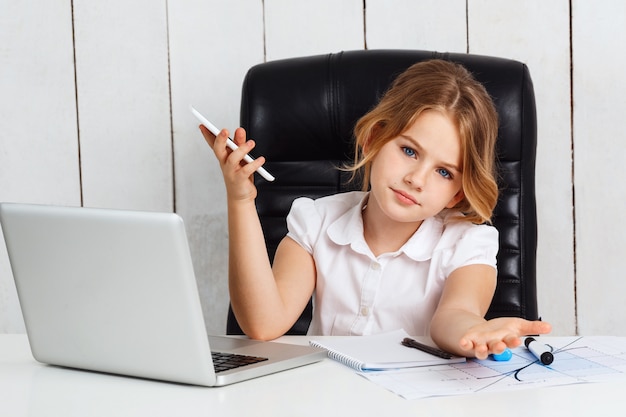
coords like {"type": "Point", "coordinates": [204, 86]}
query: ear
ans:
{"type": "Point", "coordinates": [366, 144]}
{"type": "Point", "coordinates": [456, 199]}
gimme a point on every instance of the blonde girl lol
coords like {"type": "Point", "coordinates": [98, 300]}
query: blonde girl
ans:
{"type": "Point", "coordinates": [413, 250]}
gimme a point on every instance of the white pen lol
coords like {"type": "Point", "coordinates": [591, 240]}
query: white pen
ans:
{"type": "Point", "coordinates": [232, 145]}
{"type": "Point", "coordinates": [539, 350]}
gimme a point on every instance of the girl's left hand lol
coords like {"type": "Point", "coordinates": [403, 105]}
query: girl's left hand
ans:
{"type": "Point", "coordinates": [494, 336]}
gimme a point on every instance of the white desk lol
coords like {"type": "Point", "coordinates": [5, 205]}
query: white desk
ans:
{"type": "Point", "coordinates": [28, 388]}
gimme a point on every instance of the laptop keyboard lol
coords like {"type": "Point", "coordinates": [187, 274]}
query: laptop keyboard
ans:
{"type": "Point", "coordinates": [225, 361]}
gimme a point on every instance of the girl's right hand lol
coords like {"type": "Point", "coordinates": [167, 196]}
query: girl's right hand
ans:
{"type": "Point", "coordinates": [238, 174]}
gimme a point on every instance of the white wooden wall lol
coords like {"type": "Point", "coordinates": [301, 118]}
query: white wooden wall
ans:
{"type": "Point", "coordinates": [94, 103]}
{"type": "Point", "coordinates": [599, 140]}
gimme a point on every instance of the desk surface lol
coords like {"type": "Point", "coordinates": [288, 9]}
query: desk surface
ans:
{"type": "Point", "coordinates": [325, 388]}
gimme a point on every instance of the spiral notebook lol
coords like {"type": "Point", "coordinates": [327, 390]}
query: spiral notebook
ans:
{"type": "Point", "coordinates": [379, 352]}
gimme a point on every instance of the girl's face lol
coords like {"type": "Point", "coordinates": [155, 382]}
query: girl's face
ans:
{"type": "Point", "coordinates": [417, 174]}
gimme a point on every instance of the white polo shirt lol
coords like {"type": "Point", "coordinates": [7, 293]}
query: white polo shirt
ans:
{"type": "Point", "coordinates": [358, 293]}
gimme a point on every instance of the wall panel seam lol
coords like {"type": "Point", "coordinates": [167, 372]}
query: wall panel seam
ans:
{"type": "Point", "coordinates": [78, 143]}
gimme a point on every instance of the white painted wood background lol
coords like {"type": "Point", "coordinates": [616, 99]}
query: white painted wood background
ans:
{"type": "Point", "coordinates": [94, 103]}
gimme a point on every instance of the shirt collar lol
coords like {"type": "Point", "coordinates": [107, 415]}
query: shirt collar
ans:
{"type": "Point", "coordinates": [348, 230]}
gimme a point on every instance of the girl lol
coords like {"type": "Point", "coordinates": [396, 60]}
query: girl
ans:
{"type": "Point", "coordinates": [413, 250]}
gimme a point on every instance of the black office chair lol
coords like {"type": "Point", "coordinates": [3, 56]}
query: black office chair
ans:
{"type": "Point", "coordinates": [301, 112]}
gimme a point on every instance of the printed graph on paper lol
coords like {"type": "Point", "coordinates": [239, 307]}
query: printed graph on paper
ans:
{"type": "Point", "coordinates": [576, 360]}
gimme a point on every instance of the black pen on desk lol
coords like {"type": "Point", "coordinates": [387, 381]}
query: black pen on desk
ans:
{"type": "Point", "coordinates": [408, 342]}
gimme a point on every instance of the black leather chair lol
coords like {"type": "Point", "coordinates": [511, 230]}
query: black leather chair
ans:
{"type": "Point", "coordinates": [301, 112]}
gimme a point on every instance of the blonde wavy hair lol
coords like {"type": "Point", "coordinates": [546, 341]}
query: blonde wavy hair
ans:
{"type": "Point", "coordinates": [449, 88]}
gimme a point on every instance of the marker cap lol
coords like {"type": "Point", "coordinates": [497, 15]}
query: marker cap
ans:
{"type": "Point", "coordinates": [504, 356]}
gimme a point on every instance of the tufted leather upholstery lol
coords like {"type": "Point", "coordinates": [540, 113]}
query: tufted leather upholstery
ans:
{"type": "Point", "coordinates": [301, 113]}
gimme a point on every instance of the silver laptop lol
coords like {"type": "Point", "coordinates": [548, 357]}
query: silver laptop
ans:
{"type": "Point", "coordinates": [114, 291]}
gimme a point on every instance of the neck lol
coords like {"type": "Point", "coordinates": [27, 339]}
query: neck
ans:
{"type": "Point", "coordinates": [382, 234]}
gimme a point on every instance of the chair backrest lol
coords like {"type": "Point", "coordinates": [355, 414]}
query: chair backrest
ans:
{"type": "Point", "coordinates": [301, 113]}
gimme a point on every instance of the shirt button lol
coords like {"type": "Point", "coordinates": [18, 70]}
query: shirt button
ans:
{"type": "Point", "coordinates": [375, 266]}
{"type": "Point", "coordinates": [365, 311]}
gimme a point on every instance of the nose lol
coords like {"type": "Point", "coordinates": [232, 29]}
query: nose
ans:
{"type": "Point", "coordinates": [417, 177]}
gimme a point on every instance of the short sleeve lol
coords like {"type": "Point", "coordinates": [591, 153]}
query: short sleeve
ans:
{"type": "Point", "coordinates": [304, 223]}
{"type": "Point", "coordinates": [469, 244]}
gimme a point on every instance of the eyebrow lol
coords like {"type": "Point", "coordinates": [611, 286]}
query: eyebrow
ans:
{"type": "Point", "coordinates": [447, 165]}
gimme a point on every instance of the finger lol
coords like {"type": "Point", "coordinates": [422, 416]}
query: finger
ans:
{"type": "Point", "coordinates": [208, 136]}
{"type": "Point", "coordinates": [243, 149]}
{"type": "Point", "coordinates": [466, 344]}
{"type": "Point", "coordinates": [543, 327]}
{"type": "Point", "coordinates": [512, 341]}
{"type": "Point", "coordinates": [535, 327]}
{"type": "Point", "coordinates": [481, 351]}
{"type": "Point", "coordinates": [497, 346]}
{"type": "Point", "coordinates": [249, 168]}
{"type": "Point", "coordinates": [219, 145]}
{"type": "Point", "coordinates": [240, 136]}
{"type": "Point", "coordinates": [237, 162]}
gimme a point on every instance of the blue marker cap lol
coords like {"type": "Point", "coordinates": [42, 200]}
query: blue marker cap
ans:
{"type": "Point", "coordinates": [504, 356]}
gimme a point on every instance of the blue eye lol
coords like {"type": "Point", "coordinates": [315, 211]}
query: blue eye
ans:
{"type": "Point", "coordinates": [444, 173]}
{"type": "Point", "coordinates": [408, 151]}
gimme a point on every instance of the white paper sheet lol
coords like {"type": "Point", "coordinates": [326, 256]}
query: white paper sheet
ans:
{"type": "Point", "coordinates": [576, 360]}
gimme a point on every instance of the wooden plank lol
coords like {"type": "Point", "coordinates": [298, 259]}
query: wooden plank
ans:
{"type": "Point", "coordinates": [537, 33]}
{"type": "Point", "coordinates": [210, 54]}
{"type": "Point", "coordinates": [123, 104]}
{"type": "Point", "coordinates": [599, 36]}
{"type": "Point", "coordinates": [38, 142]}
{"type": "Point", "coordinates": [38, 136]}
{"type": "Point", "coordinates": [300, 28]}
{"type": "Point", "coordinates": [432, 25]}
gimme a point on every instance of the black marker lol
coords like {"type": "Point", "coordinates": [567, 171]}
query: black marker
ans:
{"type": "Point", "coordinates": [408, 342]}
{"type": "Point", "coordinates": [539, 350]}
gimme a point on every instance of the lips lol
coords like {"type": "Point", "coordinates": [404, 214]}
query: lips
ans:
{"type": "Point", "coordinates": [405, 197]}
